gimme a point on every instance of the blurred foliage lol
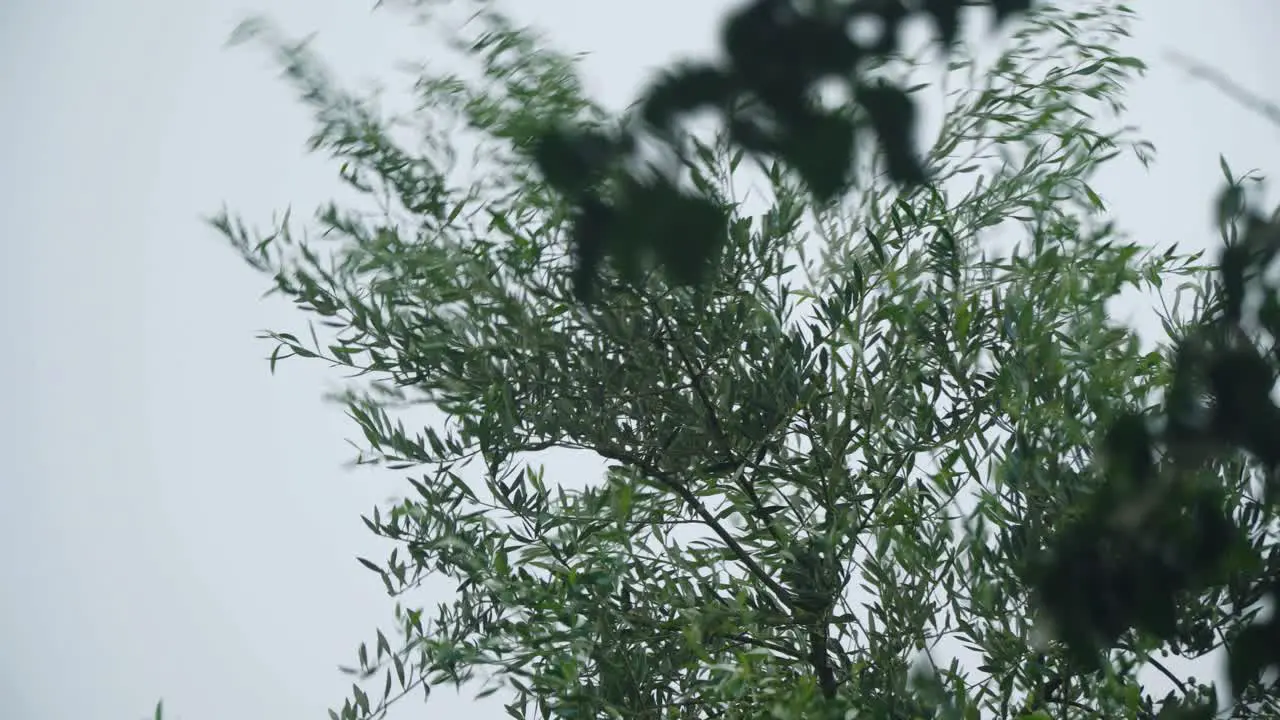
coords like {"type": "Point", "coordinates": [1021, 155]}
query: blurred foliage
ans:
{"type": "Point", "coordinates": [838, 434]}
{"type": "Point", "coordinates": [1188, 507]}
{"type": "Point", "coordinates": [780, 55]}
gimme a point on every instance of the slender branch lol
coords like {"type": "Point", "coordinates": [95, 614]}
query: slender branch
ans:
{"type": "Point", "coordinates": [1227, 86]}
{"type": "Point", "coordinates": [717, 429]}
{"type": "Point", "coordinates": [821, 661]}
{"type": "Point", "coordinates": [695, 378]}
{"type": "Point", "coordinates": [739, 479]}
{"type": "Point", "coordinates": [1073, 704]}
{"type": "Point", "coordinates": [766, 644]}
{"type": "Point", "coordinates": [684, 493]}
{"type": "Point", "coordinates": [1177, 681]}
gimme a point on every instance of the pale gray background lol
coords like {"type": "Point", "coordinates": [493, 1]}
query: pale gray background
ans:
{"type": "Point", "coordinates": [173, 520]}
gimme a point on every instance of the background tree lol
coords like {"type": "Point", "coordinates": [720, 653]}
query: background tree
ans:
{"type": "Point", "coordinates": [828, 463]}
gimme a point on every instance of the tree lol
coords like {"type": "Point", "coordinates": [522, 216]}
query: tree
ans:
{"type": "Point", "coordinates": [827, 463]}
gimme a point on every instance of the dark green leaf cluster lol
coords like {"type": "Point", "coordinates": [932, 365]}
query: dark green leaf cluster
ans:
{"type": "Point", "coordinates": [779, 53]}
{"type": "Point", "coordinates": [1162, 529]}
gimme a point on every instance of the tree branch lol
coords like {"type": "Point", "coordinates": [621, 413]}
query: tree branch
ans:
{"type": "Point", "coordinates": [685, 494]}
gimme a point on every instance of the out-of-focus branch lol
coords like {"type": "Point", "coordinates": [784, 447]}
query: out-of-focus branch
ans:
{"type": "Point", "coordinates": [1227, 86]}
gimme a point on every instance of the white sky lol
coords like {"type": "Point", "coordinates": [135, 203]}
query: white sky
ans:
{"type": "Point", "coordinates": [175, 522]}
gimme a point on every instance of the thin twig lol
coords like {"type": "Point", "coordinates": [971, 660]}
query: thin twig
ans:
{"type": "Point", "coordinates": [685, 494]}
{"type": "Point", "coordinates": [1182, 686]}
{"type": "Point", "coordinates": [1227, 86]}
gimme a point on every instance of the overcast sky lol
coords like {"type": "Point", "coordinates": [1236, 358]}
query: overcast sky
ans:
{"type": "Point", "coordinates": [174, 521]}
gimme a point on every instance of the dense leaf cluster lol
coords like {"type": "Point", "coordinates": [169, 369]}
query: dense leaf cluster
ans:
{"type": "Point", "coordinates": [1162, 529]}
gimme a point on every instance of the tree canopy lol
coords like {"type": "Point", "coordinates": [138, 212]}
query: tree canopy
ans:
{"type": "Point", "coordinates": [859, 461]}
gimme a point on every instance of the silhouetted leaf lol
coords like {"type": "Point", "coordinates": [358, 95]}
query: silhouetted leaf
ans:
{"type": "Point", "coordinates": [1230, 203]}
{"type": "Point", "coordinates": [1129, 451]}
{"type": "Point", "coordinates": [1256, 648]}
{"type": "Point", "coordinates": [571, 160]}
{"type": "Point", "coordinates": [1175, 708]}
{"type": "Point", "coordinates": [1241, 381]}
{"type": "Point", "coordinates": [684, 89]}
{"type": "Point", "coordinates": [893, 117]}
{"type": "Point", "coordinates": [1235, 259]}
{"type": "Point", "coordinates": [751, 132]}
{"type": "Point", "coordinates": [590, 239]}
{"type": "Point", "coordinates": [779, 52]}
{"type": "Point", "coordinates": [686, 232]}
{"type": "Point", "coordinates": [821, 151]}
{"type": "Point", "coordinates": [1004, 9]}
{"type": "Point", "coordinates": [946, 19]}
